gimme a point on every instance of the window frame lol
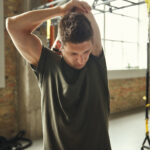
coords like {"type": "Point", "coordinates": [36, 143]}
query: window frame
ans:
{"type": "Point", "coordinates": [123, 73]}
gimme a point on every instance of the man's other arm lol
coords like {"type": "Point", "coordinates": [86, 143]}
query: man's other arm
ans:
{"type": "Point", "coordinates": [97, 45]}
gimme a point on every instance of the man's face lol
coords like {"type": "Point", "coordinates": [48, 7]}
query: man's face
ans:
{"type": "Point", "coordinates": [77, 55]}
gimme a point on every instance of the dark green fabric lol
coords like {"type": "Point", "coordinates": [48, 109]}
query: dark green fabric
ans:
{"type": "Point", "coordinates": [74, 103]}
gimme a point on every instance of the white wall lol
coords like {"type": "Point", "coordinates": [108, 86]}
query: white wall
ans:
{"type": "Point", "coordinates": [2, 65]}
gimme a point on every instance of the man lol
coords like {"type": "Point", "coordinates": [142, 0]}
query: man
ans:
{"type": "Point", "coordinates": [74, 88]}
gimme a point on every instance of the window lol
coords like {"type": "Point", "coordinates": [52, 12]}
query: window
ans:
{"type": "Point", "coordinates": [124, 36]}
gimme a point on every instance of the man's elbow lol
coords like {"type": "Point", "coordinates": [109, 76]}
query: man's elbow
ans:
{"type": "Point", "coordinates": [9, 24]}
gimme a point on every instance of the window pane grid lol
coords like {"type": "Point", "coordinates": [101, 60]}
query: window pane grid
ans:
{"type": "Point", "coordinates": [124, 36]}
{"type": "Point", "coordinates": [125, 39]}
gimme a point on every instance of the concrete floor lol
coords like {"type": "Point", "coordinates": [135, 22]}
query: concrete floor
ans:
{"type": "Point", "coordinates": [127, 131]}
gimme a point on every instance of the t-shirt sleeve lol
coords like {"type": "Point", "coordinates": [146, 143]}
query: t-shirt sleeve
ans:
{"type": "Point", "coordinates": [45, 58]}
{"type": "Point", "coordinates": [101, 61]}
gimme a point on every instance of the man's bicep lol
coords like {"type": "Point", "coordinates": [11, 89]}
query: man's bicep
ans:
{"type": "Point", "coordinates": [33, 50]}
{"type": "Point", "coordinates": [28, 45]}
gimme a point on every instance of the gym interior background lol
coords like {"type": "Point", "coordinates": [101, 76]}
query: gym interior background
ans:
{"type": "Point", "coordinates": [124, 36]}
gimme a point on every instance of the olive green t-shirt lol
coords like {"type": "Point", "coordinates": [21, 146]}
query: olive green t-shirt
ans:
{"type": "Point", "coordinates": [74, 103]}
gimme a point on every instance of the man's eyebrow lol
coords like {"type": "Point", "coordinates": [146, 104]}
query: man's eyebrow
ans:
{"type": "Point", "coordinates": [87, 50]}
{"type": "Point", "coordinates": [73, 52]}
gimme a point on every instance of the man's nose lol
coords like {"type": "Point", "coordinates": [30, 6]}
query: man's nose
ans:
{"type": "Point", "coordinates": [80, 60]}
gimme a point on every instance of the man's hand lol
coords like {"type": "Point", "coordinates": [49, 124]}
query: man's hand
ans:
{"type": "Point", "coordinates": [80, 6]}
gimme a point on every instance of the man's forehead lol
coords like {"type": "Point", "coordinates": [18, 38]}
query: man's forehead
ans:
{"type": "Point", "coordinates": [77, 49]}
{"type": "Point", "coordinates": [78, 45]}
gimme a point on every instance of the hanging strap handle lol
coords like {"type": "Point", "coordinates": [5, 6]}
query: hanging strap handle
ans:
{"type": "Point", "coordinates": [148, 5]}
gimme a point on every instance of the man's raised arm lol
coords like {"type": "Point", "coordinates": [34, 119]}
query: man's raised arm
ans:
{"type": "Point", "coordinates": [21, 27]}
{"type": "Point", "coordinates": [97, 45]}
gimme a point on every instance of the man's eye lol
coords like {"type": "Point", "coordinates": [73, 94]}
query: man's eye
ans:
{"type": "Point", "coordinates": [74, 54]}
{"type": "Point", "coordinates": [86, 52]}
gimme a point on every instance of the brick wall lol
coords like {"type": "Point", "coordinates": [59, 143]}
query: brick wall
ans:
{"type": "Point", "coordinates": [8, 121]}
{"type": "Point", "coordinates": [126, 94]}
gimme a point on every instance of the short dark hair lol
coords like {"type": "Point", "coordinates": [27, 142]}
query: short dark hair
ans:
{"type": "Point", "coordinates": [75, 27]}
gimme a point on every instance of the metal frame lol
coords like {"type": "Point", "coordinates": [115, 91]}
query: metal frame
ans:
{"type": "Point", "coordinates": [112, 8]}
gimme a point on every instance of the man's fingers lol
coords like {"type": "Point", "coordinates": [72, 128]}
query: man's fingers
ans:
{"type": "Point", "coordinates": [86, 7]}
{"type": "Point", "coordinates": [80, 6]}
